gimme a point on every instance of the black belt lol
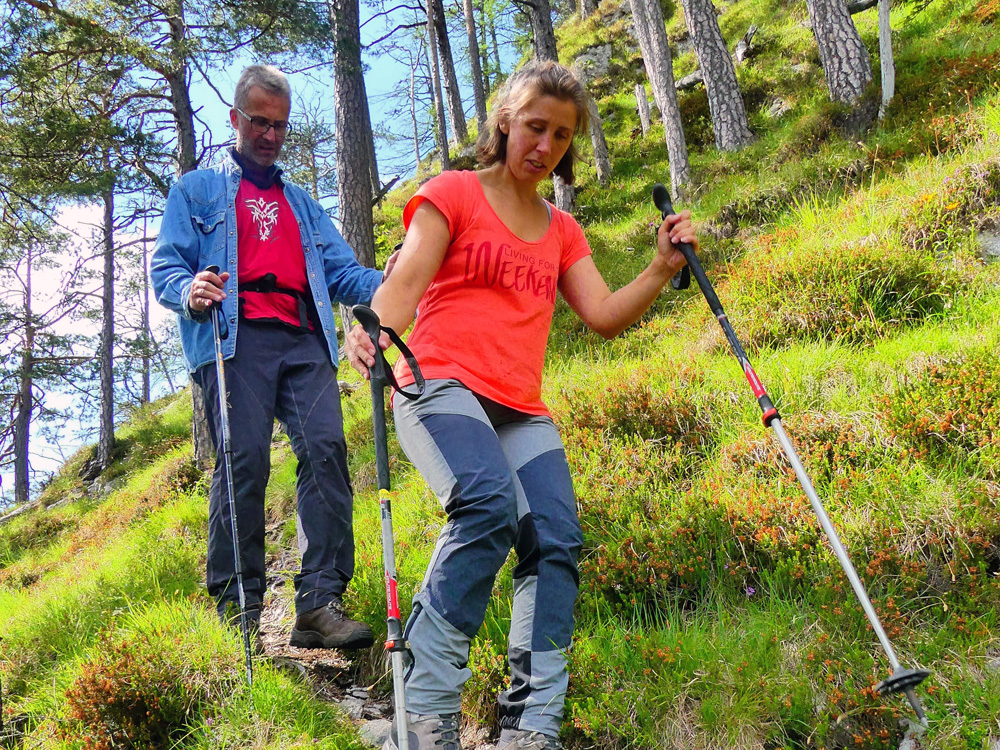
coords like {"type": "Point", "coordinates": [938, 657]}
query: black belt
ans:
{"type": "Point", "coordinates": [267, 284]}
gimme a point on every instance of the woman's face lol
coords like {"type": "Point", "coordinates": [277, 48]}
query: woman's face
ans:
{"type": "Point", "coordinates": [538, 136]}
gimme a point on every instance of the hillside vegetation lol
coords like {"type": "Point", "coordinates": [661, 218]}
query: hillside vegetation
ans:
{"type": "Point", "coordinates": [712, 612]}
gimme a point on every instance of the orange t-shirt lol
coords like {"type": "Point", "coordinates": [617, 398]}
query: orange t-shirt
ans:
{"type": "Point", "coordinates": [485, 318]}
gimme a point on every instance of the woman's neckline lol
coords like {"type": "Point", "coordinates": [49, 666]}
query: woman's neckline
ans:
{"type": "Point", "coordinates": [510, 231]}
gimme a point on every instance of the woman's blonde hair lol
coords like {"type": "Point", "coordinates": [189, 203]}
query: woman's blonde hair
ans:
{"type": "Point", "coordinates": [546, 78]}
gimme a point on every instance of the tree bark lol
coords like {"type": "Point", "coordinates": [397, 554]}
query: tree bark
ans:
{"type": "Point", "coordinates": [545, 49]}
{"type": "Point", "coordinates": [729, 116]}
{"type": "Point", "coordinates": [25, 397]}
{"type": "Point", "coordinates": [602, 161]}
{"type": "Point", "coordinates": [642, 104]}
{"type": "Point", "coordinates": [885, 56]}
{"type": "Point", "coordinates": [477, 74]}
{"type": "Point", "coordinates": [541, 29]}
{"type": "Point", "coordinates": [587, 8]}
{"type": "Point", "coordinates": [498, 69]}
{"type": "Point", "coordinates": [187, 161]}
{"type": "Point", "coordinates": [147, 334]}
{"type": "Point", "coordinates": [647, 21]}
{"type": "Point", "coordinates": [353, 132]}
{"type": "Point", "coordinates": [448, 77]}
{"type": "Point", "coordinates": [843, 56]}
{"type": "Point", "coordinates": [413, 110]}
{"type": "Point", "coordinates": [106, 437]}
{"type": "Point", "coordinates": [484, 51]}
{"type": "Point", "coordinates": [442, 131]}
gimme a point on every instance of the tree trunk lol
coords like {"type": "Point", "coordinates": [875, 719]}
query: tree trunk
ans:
{"type": "Point", "coordinates": [587, 8]}
{"type": "Point", "coordinates": [25, 397]}
{"type": "Point", "coordinates": [187, 161]}
{"type": "Point", "coordinates": [484, 51]}
{"type": "Point", "coordinates": [545, 49]}
{"type": "Point", "coordinates": [843, 56]}
{"type": "Point", "coordinates": [647, 21]}
{"type": "Point", "coordinates": [498, 69]}
{"type": "Point", "coordinates": [477, 74]}
{"type": "Point", "coordinates": [147, 334]}
{"type": "Point", "coordinates": [106, 437]}
{"type": "Point", "coordinates": [642, 104]}
{"type": "Point", "coordinates": [442, 130]}
{"type": "Point", "coordinates": [448, 77]}
{"type": "Point", "coordinates": [885, 56]}
{"type": "Point", "coordinates": [541, 29]}
{"type": "Point", "coordinates": [602, 161]}
{"type": "Point", "coordinates": [353, 132]}
{"type": "Point", "coordinates": [413, 110]}
{"type": "Point", "coordinates": [729, 116]}
{"type": "Point", "coordinates": [565, 194]}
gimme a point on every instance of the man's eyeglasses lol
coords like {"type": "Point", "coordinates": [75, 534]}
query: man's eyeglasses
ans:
{"type": "Point", "coordinates": [262, 125]}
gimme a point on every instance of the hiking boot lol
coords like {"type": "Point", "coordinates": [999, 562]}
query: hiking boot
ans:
{"type": "Point", "coordinates": [522, 739]}
{"type": "Point", "coordinates": [431, 732]}
{"type": "Point", "coordinates": [330, 627]}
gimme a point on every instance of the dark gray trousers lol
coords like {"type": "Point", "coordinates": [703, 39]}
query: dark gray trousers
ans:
{"type": "Point", "coordinates": [283, 373]}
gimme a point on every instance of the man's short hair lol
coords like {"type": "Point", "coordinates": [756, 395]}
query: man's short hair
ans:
{"type": "Point", "coordinates": [268, 77]}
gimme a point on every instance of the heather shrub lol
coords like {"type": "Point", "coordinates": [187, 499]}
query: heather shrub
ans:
{"type": "Point", "coordinates": [144, 684]}
{"type": "Point", "coordinates": [950, 408]}
{"type": "Point", "coordinates": [654, 403]}
{"type": "Point", "coordinates": [966, 199]}
{"type": "Point", "coordinates": [488, 663]}
{"type": "Point", "coordinates": [850, 293]}
{"type": "Point", "coordinates": [32, 531]}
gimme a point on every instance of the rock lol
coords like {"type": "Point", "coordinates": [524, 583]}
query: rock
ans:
{"type": "Point", "coordinates": [682, 45]}
{"type": "Point", "coordinates": [989, 245]}
{"type": "Point", "coordinates": [778, 107]}
{"type": "Point", "coordinates": [593, 62]}
{"type": "Point", "coordinates": [353, 707]}
{"type": "Point", "coordinates": [911, 739]}
{"type": "Point", "coordinates": [375, 732]}
{"type": "Point", "coordinates": [377, 710]}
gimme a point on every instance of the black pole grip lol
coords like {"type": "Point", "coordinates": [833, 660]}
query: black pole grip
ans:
{"type": "Point", "coordinates": [368, 319]}
{"type": "Point", "coordinates": [661, 197]}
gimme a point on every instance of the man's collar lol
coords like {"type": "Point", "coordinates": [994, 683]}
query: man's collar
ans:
{"type": "Point", "coordinates": [261, 177]}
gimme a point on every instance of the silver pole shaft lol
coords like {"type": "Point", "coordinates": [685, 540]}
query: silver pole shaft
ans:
{"type": "Point", "coordinates": [402, 731]}
{"type": "Point", "coordinates": [838, 548]}
{"type": "Point", "coordinates": [227, 460]}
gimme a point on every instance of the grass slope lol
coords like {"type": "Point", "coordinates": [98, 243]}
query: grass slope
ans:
{"type": "Point", "coordinates": [712, 612]}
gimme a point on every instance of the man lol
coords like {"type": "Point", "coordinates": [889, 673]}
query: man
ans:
{"type": "Point", "coordinates": [283, 265]}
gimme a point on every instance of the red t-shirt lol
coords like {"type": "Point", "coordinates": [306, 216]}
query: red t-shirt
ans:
{"type": "Point", "coordinates": [485, 318]}
{"type": "Point", "coordinates": [269, 242]}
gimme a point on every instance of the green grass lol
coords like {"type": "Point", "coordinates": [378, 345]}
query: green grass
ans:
{"type": "Point", "coordinates": [712, 612]}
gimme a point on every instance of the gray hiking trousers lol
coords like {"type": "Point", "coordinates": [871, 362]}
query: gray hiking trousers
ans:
{"type": "Point", "coordinates": [502, 477]}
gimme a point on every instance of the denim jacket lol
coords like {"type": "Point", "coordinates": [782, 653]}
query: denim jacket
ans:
{"type": "Point", "coordinates": [199, 230]}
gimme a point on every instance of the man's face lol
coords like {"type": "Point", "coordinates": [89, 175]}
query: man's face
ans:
{"type": "Point", "coordinates": [263, 109]}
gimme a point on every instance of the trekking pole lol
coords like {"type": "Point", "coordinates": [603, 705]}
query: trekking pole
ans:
{"type": "Point", "coordinates": [379, 375]}
{"type": "Point", "coordinates": [227, 461]}
{"type": "Point", "coordinates": [901, 680]}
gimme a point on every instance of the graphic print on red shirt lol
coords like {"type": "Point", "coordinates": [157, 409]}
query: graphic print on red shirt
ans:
{"type": "Point", "coordinates": [269, 243]}
{"type": "Point", "coordinates": [484, 319]}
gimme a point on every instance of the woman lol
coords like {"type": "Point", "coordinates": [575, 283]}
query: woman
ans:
{"type": "Point", "coordinates": [483, 257]}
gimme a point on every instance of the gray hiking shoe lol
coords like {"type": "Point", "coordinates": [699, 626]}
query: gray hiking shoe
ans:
{"type": "Point", "coordinates": [330, 627]}
{"type": "Point", "coordinates": [430, 732]}
{"type": "Point", "coordinates": [522, 739]}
